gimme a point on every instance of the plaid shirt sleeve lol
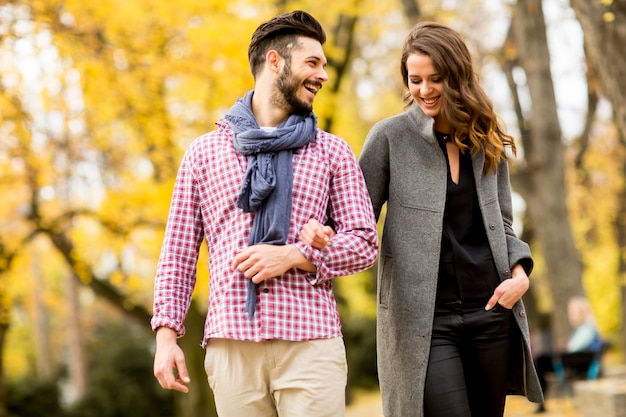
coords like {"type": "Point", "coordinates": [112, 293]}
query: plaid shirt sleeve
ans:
{"type": "Point", "coordinates": [176, 270]}
{"type": "Point", "coordinates": [355, 246]}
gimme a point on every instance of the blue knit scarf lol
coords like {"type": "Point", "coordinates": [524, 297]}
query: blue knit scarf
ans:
{"type": "Point", "coordinates": [267, 185]}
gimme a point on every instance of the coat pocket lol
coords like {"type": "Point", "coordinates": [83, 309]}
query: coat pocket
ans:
{"type": "Point", "coordinates": [384, 280]}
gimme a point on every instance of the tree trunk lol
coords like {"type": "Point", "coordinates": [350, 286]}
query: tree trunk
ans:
{"type": "Point", "coordinates": [621, 244]}
{"type": "Point", "coordinates": [77, 365]}
{"type": "Point", "coordinates": [542, 181]}
{"type": "Point", "coordinates": [42, 338]}
{"type": "Point", "coordinates": [6, 259]}
{"type": "Point", "coordinates": [412, 11]}
{"type": "Point", "coordinates": [343, 35]}
{"type": "Point", "coordinates": [604, 28]}
{"type": "Point", "coordinates": [4, 326]}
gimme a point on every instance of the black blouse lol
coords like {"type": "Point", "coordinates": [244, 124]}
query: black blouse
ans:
{"type": "Point", "coordinates": [467, 271]}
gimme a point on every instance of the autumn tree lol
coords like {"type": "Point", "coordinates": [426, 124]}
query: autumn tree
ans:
{"type": "Point", "coordinates": [98, 101]}
{"type": "Point", "coordinates": [541, 180]}
{"type": "Point", "coordinates": [121, 93]}
{"type": "Point", "coordinates": [604, 27]}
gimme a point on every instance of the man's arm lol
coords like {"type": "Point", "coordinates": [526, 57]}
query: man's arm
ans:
{"type": "Point", "coordinates": [354, 247]}
{"type": "Point", "coordinates": [175, 279]}
{"type": "Point", "coordinates": [177, 266]}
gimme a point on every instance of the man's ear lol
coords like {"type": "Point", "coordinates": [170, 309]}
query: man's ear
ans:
{"type": "Point", "coordinates": [273, 60]}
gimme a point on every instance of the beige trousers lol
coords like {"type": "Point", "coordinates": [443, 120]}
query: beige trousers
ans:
{"type": "Point", "coordinates": [277, 378]}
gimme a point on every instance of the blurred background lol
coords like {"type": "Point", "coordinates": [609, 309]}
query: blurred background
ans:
{"type": "Point", "coordinates": [98, 101]}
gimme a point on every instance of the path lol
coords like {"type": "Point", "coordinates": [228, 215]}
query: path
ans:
{"type": "Point", "coordinates": [368, 405]}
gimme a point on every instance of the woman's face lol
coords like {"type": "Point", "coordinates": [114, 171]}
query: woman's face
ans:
{"type": "Point", "coordinates": [425, 85]}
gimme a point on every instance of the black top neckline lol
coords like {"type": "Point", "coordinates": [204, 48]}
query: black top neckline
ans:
{"type": "Point", "coordinates": [443, 137]}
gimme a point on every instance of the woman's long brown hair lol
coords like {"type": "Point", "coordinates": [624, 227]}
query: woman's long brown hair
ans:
{"type": "Point", "coordinates": [466, 106]}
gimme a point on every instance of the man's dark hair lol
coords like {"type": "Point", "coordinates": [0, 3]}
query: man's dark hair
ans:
{"type": "Point", "coordinates": [280, 34]}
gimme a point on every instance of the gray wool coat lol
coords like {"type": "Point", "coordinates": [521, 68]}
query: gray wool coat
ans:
{"type": "Point", "coordinates": [404, 167]}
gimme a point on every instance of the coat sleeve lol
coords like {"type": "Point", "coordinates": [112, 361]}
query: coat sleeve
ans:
{"type": "Point", "coordinates": [518, 250]}
{"type": "Point", "coordinates": [374, 162]}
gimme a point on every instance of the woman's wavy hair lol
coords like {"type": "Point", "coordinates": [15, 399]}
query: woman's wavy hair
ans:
{"type": "Point", "coordinates": [466, 105]}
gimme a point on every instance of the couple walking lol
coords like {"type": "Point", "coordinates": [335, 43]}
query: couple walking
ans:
{"type": "Point", "coordinates": [263, 189]}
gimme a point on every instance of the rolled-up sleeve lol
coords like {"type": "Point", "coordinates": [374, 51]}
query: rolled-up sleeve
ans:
{"type": "Point", "coordinates": [176, 270]}
{"type": "Point", "coordinates": [355, 246]}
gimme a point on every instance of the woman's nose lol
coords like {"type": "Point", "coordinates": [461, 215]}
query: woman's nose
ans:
{"type": "Point", "coordinates": [425, 88]}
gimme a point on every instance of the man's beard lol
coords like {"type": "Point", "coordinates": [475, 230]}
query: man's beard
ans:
{"type": "Point", "coordinates": [286, 97]}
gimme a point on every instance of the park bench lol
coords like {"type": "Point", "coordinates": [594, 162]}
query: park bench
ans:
{"type": "Point", "coordinates": [566, 377]}
{"type": "Point", "coordinates": [603, 391]}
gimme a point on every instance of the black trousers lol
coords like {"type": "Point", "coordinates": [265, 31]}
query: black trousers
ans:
{"type": "Point", "coordinates": [469, 361]}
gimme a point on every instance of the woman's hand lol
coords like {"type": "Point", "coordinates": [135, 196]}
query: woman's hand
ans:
{"type": "Point", "coordinates": [317, 235]}
{"type": "Point", "coordinates": [510, 290]}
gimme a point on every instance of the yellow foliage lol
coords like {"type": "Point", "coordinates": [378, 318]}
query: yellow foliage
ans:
{"type": "Point", "coordinates": [91, 154]}
{"type": "Point", "coordinates": [608, 17]}
{"type": "Point", "coordinates": [37, 288]}
{"type": "Point", "coordinates": [593, 203]}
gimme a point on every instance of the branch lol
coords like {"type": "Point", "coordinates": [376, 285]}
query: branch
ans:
{"type": "Point", "coordinates": [411, 10]}
{"type": "Point", "coordinates": [344, 37]}
{"type": "Point", "coordinates": [593, 86]}
{"type": "Point", "coordinates": [101, 287]}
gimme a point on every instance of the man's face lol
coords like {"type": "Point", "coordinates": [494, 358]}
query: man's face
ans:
{"type": "Point", "coordinates": [301, 77]}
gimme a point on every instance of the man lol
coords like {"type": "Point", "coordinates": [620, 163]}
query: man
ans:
{"type": "Point", "coordinates": [272, 333]}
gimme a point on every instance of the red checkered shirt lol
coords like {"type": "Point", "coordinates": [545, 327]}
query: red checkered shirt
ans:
{"type": "Point", "coordinates": [295, 306]}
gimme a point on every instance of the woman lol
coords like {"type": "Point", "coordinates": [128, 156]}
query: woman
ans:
{"type": "Point", "coordinates": [452, 335]}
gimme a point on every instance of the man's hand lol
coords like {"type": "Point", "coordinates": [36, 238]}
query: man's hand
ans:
{"type": "Point", "coordinates": [170, 368]}
{"type": "Point", "coordinates": [510, 290]}
{"type": "Point", "coordinates": [317, 235]}
{"type": "Point", "coordinates": [261, 262]}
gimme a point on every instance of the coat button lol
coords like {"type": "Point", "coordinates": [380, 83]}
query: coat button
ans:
{"type": "Point", "coordinates": [492, 226]}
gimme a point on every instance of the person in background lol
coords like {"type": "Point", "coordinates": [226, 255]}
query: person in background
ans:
{"type": "Point", "coordinates": [272, 334]}
{"type": "Point", "coordinates": [582, 348]}
{"type": "Point", "coordinates": [452, 334]}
